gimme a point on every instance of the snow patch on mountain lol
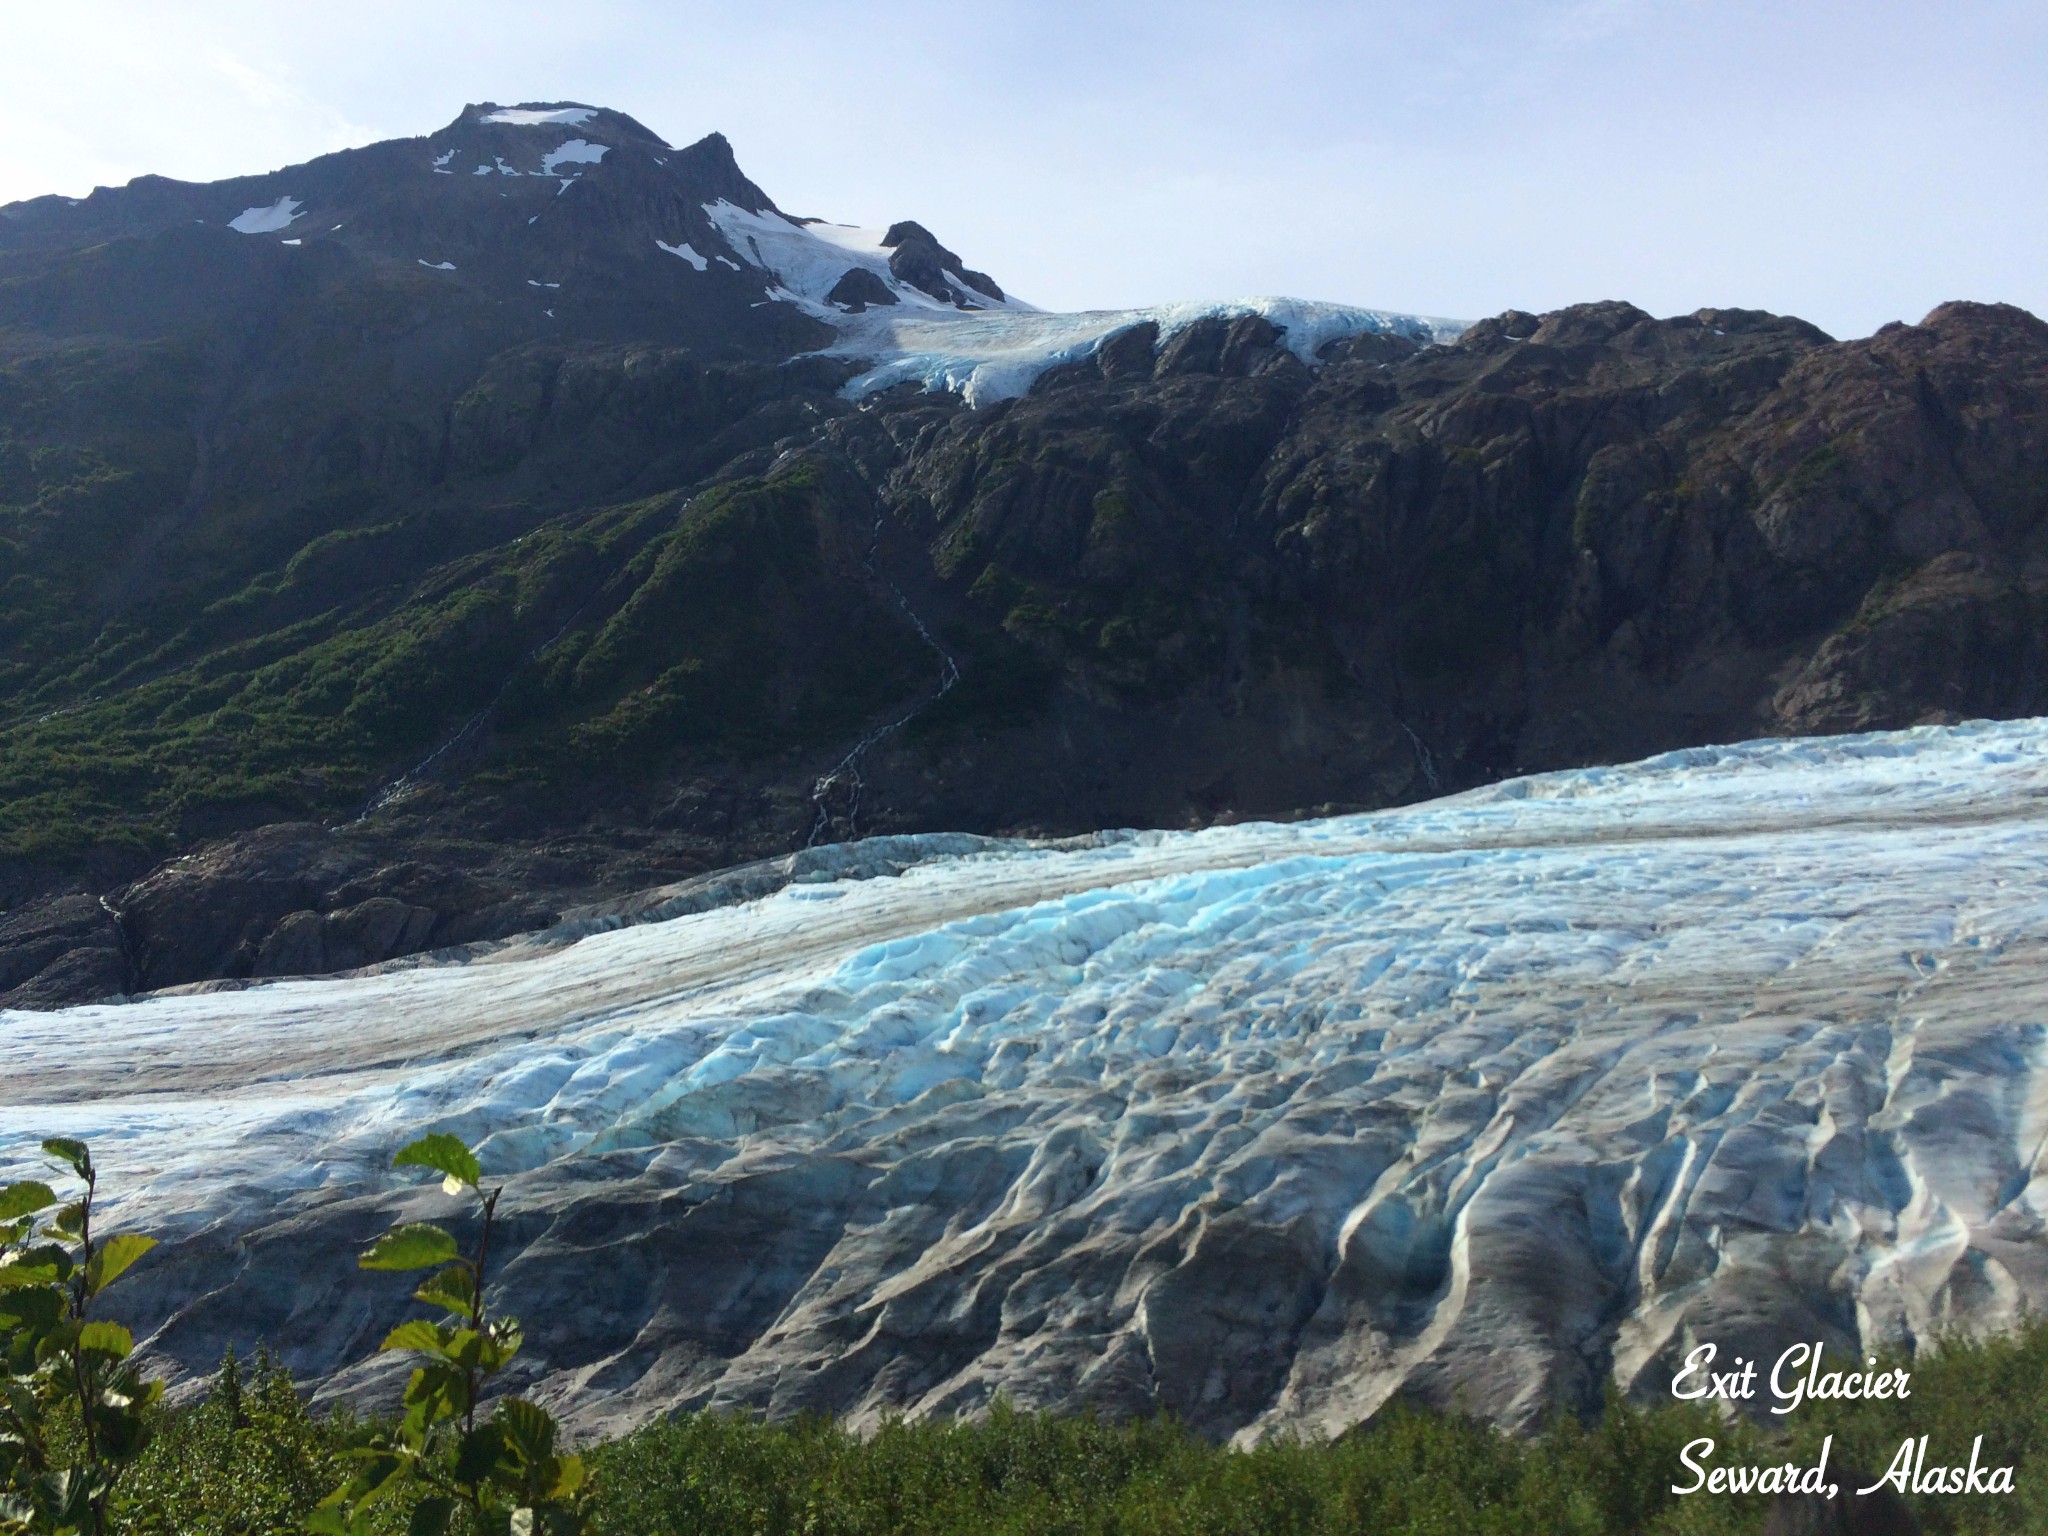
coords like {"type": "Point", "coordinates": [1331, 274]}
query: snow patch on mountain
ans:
{"type": "Point", "coordinates": [684, 250]}
{"type": "Point", "coordinates": [807, 260]}
{"type": "Point", "coordinates": [530, 117]}
{"type": "Point", "coordinates": [1503, 1095]}
{"type": "Point", "coordinates": [267, 220]}
{"type": "Point", "coordinates": [572, 152]}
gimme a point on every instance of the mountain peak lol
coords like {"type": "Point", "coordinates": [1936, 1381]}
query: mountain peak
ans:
{"type": "Point", "coordinates": [561, 221]}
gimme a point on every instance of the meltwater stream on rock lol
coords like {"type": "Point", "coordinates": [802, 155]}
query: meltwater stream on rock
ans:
{"type": "Point", "coordinates": [1491, 1098]}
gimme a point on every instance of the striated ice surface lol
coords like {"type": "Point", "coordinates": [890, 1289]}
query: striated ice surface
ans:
{"type": "Point", "coordinates": [999, 354]}
{"type": "Point", "coordinates": [1491, 1099]}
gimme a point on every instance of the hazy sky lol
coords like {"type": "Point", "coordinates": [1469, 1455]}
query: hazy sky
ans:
{"type": "Point", "coordinates": [1852, 163]}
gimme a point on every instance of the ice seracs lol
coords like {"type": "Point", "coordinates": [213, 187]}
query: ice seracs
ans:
{"type": "Point", "coordinates": [1000, 353]}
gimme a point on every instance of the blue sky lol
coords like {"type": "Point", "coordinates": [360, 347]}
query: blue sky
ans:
{"type": "Point", "coordinates": [1850, 163]}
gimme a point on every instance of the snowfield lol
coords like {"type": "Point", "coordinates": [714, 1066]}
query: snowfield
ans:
{"type": "Point", "coordinates": [267, 220]}
{"type": "Point", "coordinates": [528, 117]}
{"type": "Point", "coordinates": [1503, 1096]}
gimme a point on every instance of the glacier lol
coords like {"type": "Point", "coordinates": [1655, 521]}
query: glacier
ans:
{"type": "Point", "coordinates": [998, 350]}
{"type": "Point", "coordinates": [998, 354]}
{"type": "Point", "coordinates": [1492, 1100]}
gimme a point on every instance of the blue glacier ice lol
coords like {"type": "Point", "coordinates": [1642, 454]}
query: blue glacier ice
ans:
{"type": "Point", "coordinates": [1493, 1099]}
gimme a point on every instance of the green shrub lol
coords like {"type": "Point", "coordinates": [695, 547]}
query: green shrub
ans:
{"type": "Point", "coordinates": [248, 1461]}
{"type": "Point", "coordinates": [74, 1411]}
{"type": "Point", "coordinates": [502, 1477]}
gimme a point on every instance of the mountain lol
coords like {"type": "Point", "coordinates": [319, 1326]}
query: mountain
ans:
{"type": "Point", "coordinates": [407, 549]}
{"type": "Point", "coordinates": [1488, 1103]}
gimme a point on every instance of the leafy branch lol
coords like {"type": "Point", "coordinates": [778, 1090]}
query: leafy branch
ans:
{"type": "Point", "coordinates": [58, 1363]}
{"type": "Point", "coordinates": [505, 1473]}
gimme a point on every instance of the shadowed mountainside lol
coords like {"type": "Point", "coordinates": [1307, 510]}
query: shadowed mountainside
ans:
{"type": "Point", "coordinates": [399, 605]}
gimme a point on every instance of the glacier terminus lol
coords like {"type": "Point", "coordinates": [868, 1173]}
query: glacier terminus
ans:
{"type": "Point", "coordinates": [1490, 1101]}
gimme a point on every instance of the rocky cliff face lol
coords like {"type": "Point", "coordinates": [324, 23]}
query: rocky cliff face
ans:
{"type": "Point", "coordinates": [374, 568]}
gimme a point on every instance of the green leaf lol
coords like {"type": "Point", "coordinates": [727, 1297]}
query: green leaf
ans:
{"type": "Point", "coordinates": [107, 1339]}
{"type": "Point", "coordinates": [477, 1453]}
{"type": "Point", "coordinates": [36, 1307]}
{"type": "Point", "coordinates": [73, 1153]}
{"type": "Point", "coordinates": [528, 1428]}
{"type": "Point", "coordinates": [111, 1259]}
{"type": "Point", "coordinates": [435, 1392]}
{"type": "Point", "coordinates": [430, 1516]}
{"type": "Point", "coordinates": [417, 1245]}
{"type": "Point", "coordinates": [419, 1334]}
{"type": "Point", "coordinates": [568, 1478]}
{"type": "Point", "coordinates": [451, 1289]}
{"type": "Point", "coordinates": [496, 1351]}
{"type": "Point", "coordinates": [28, 1275]}
{"type": "Point", "coordinates": [66, 1496]}
{"type": "Point", "coordinates": [444, 1154]}
{"type": "Point", "coordinates": [71, 1220]}
{"type": "Point", "coordinates": [17, 1200]}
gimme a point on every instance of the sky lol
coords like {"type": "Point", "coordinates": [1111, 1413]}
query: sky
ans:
{"type": "Point", "coordinates": [1850, 163]}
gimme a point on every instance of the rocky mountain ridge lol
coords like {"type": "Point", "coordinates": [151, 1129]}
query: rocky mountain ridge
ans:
{"type": "Point", "coordinates": [368, 594]}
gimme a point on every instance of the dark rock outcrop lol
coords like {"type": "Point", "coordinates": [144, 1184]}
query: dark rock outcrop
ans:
{"type": "Point", "coordinates": [917, 258]}
{"type": "Point", "coordinates": [65, 948]}
{"type": "Point", "coordinates": [858, 289]}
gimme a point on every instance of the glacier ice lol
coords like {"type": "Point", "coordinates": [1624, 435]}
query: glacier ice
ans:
{"type": "Point", "coordinates": [997, 351]}
{"type": "Point", "coordinates": [1490, 1099]}
{"type": "Point", "coordinates": [998, 354]}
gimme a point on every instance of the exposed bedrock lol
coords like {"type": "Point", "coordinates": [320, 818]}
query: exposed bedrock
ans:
{"type": "Point", "coordinates": [601, 615]}
{"type": "Point", "coordinates": [1487, 1102]}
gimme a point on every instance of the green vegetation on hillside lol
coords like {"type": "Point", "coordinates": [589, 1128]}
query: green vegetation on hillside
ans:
{"type": "Point", "coordinates": [720, 627]}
